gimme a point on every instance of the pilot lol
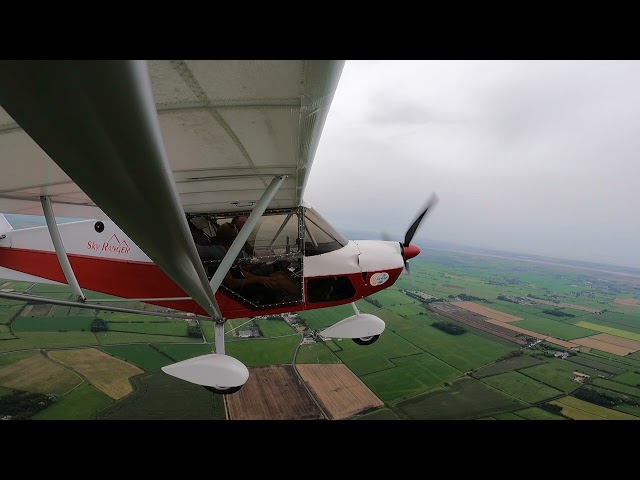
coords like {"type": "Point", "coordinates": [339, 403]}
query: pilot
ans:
{"type": "Point", "coordinates": [248, 283]}
{"type": "Point", "coordinates": [238, 222]}
{"type": "Point", "coordinates": [236, 278]}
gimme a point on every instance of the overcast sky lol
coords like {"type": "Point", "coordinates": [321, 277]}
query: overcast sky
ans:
{"type": "Point", "coordinates": [538, 157]}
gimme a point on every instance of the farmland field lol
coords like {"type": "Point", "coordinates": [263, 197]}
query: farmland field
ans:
{"type": "Point", "coordinates": [373, 358]}
{"type": "Point", "coordinates": [108, 374]}
{"type": "Point", "coordinates": [535, 413]}
{"type": "Point", "coordinates": [315, 353]}
{"type": "Point", "coordinates": [554, 328]}
{"type": "Point", "coordinates": [381, 414]}
{"type": "Point", "coordinates": [183, 352]}
{"type": "Point", "coordinates": [51, 324]}
{"type": "Point", "coordinates": [158, 396]}
{"type": "Point", "coordinates": [522, 387]}
{"type": "Point", "coordinates": [581, 410]}
{"type": "Point", "coordinates": [617, 387]}
{"type": "Point", "coordinates": [465, 399]}
{"type": "Point", "coordinates": [507, 365]}
{"type": "Point", "coordinates": [410, 376]}
{"type": "Point", "coordinates": [40, 340]}
{"type": "Point", "coordinates": [613, 331]}
{"type": "Point", "coordinates": [271, 351]}
{"type": "Point", "coordinates": [558, 374]}
{"type": "Point", "coordinates": [629, 378]}
{"type": "Point", "coordinates": [79, 404]}
{"type": "Point", "coordinates": [111, 338]}
{"type": "Point", "coordinates": [38, 374]}
{"type": "Point", "coordinates": [272, 393]}
{"type": "Point", "coordinates": [274, 327]}
{"type": "Point", "coordinates": [143, 356]}
{"type": "Point", "coordinates": [340, 392]}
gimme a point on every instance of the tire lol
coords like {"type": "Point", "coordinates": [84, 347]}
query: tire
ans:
{"type": "Point", "coordinates": [366, 340]}
{"type": "Point", "coordinates": [224, 391]}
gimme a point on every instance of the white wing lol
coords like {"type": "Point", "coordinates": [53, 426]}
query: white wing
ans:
{"type": "Point", "coordinates": [228, 128]}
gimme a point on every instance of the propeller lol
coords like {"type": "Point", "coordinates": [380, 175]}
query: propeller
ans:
{"type": "Point", "coordinates": [409, 250]}
{"type": "Point", "coordinates": [416, 223]}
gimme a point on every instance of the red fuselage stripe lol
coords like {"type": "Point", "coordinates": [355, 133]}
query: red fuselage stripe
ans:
{"type": "Point", "coordinates": [146, 280]}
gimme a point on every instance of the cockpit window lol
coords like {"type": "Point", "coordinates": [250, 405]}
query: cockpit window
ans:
{"type": "Point", "coordinates": [320, 236]}
{"type": "Point", "coordinates": [268, 270]}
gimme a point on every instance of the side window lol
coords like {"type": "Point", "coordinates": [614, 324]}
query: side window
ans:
{"type": "Point", "coordinates": [268, 269]}
{"type": "Point", "coordinates": [329, 289]}
{"type": "Point", "coordinates": [276, 235]}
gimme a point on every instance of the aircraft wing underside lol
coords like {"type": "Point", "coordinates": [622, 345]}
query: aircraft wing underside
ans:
{"type": "Point", "coordinates": [228, 128]}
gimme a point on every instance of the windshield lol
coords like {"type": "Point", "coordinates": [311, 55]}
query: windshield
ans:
{"type": "Point", "coordinates": [320, 236]}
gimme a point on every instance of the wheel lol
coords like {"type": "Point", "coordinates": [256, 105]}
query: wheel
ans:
{"type": "Point", "coordinates": [366, 340]}
{"type": "Point", "coordinates": [224, 391]}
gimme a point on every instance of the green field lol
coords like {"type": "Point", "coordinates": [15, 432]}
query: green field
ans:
{"type": "Point", "coordinates": [365, 359]}
{"type": "Point", "coordinates": [507, 416]}
{"type": "Point", "coordinates": [554, 328]}
{"type": "Point", "coordinates": [410, 376]}
{"type": "Point", "coordinates": [51, 324]}
{"type": "Point", "coordinates": [316, 353]}
{"type": "Point", "coordinates": [256, 352]}
{"type": "Point", "coordinates": [79, 404]}
{"type": "Point", "coordinates": [408, 310]}
{"type": "Point", "coordinates": [628, 378]}
{"type": "Point", "coordinates": [595, 365]}
{"type": "Point", "coordinates": [111, 317]}
{"type": "Point", "coordinates": [581, 410]}
{"type": "Point", "coordinates": [46, 289]}
{"type": "Point", "coordinates": [508, 365]}
{"type": "Point", "coordinates": [111, 338]}
{"type": "Point", "coordinates": [177, 328]}
{"type": "Point", "coordinates": [274, 327]}
{"type": "Point", "coordinates": [465, 352]}
{"type": "Point", "coordinates": [16, 285]}
{"type": "Point", "coordinates": [9, 309]}
{"type": "Point", "coordinates": [381, 414]}
{"type": "Point", "coordinates": [558, 374]}
{"type": "Point", "coordinates": [617, 387]}
{"type": "Point", "coordinates": [521, 387]}
{"type": "Point", "coordinates": [158, 396]}
{"type": "Point", "coordinates": [5, 391]}
{"type": "Point", "coordinates": [325, 317]}
{"type": "Point", "coordinates": [616, 320]}
{"type": "Point", "coordinates": [5, 332]}
{"type": "Point", "coordinates": [610, 330]}
{"type": "Point", "coordinates": [535, 413]}
{"type": "Point", "coordinates": [143, 356]}
{"type": "Point", "coordinates": [9, 358]}
{"type": "Point", "coordinates": [208, 329]}
{"type": "Point", "coordinates": [393, 296]}
{"type": "Point", "coordinates": [38, 340]}
{"type": "Point", "coordinates": [465, 399]}
{"type": "Point", "coordinates": [183, 352]}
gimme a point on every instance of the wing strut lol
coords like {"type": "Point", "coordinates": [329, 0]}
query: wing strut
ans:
{"type": "Point", "coordinates": [60, 251]}
{"type": "Point", "coordinates": [243, 235]}
{"type": "Point", "coordinates": [25, 297]}
{"type": "Point", "coordinates": [235, 248]}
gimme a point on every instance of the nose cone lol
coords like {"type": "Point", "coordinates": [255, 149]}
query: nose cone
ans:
{"type": "Point", "coordinates": [410, 252]}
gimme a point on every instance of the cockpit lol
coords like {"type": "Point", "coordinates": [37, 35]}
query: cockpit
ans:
{"type": "Point", "coordinates": [268, 272]}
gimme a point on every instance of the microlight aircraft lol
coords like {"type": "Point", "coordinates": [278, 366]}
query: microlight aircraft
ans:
{"type": "Point", "coordinates": [188, 180]}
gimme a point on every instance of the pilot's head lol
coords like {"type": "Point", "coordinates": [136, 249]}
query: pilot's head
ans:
{"type": "Point", "coordinates": [239, 221]}
{"type": "Point", "coordinates": [226, 234]}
